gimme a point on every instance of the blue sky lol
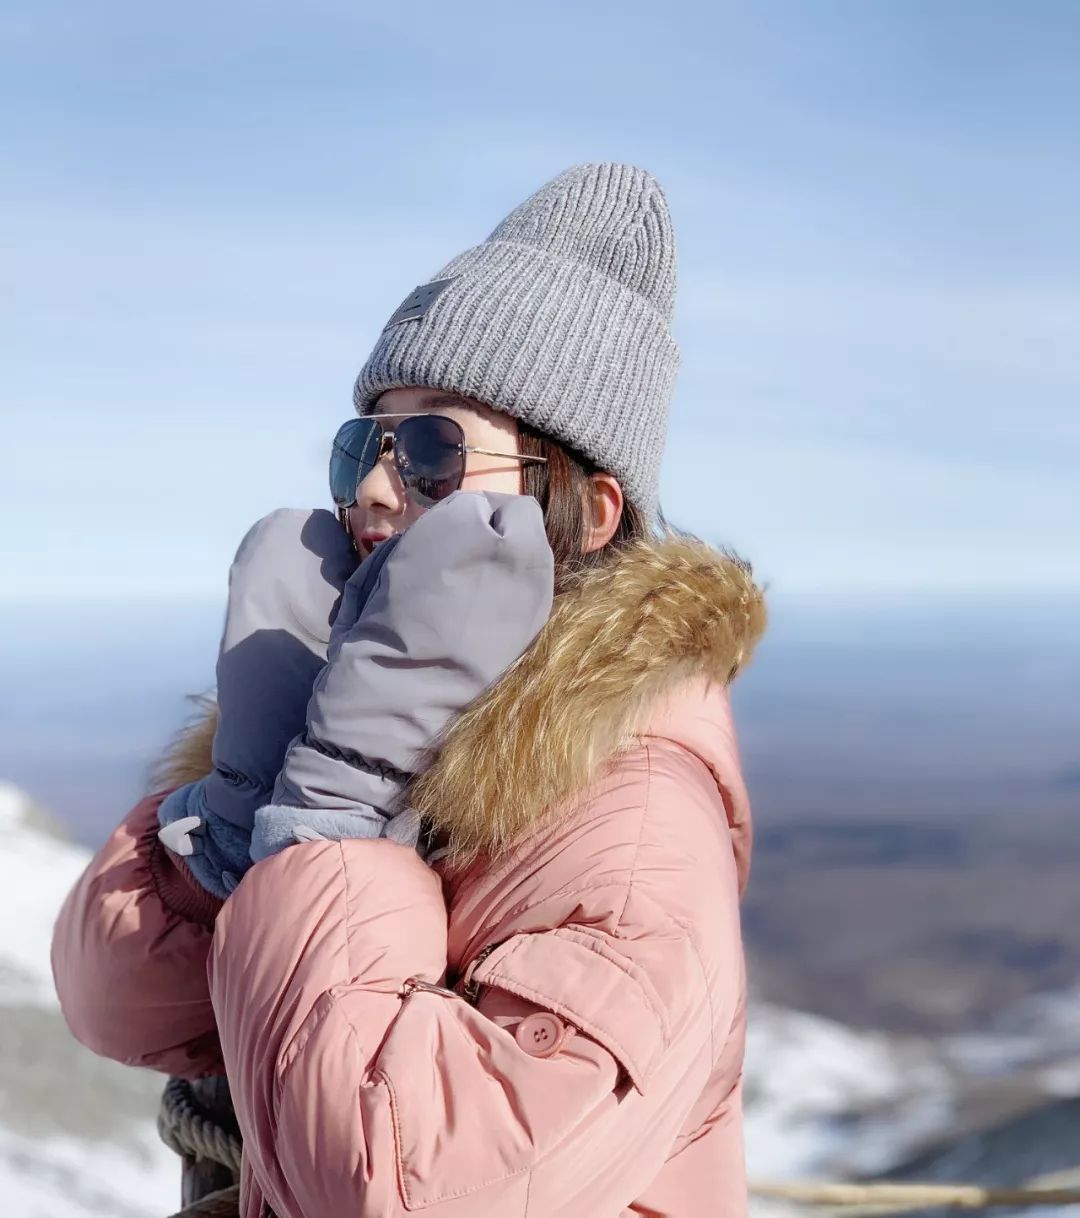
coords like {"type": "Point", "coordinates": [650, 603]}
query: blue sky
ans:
{"type": "Point", "coordinates": [209, 211]}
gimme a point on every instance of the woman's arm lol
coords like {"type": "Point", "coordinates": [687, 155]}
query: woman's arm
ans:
{"type": "Point", "coordinates": [129, 953]}
{"type": "Point", "coordinates": [354, 1099]}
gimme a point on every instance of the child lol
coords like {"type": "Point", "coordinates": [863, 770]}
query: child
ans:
{"type": "Point", "coordinates": [402, 662]}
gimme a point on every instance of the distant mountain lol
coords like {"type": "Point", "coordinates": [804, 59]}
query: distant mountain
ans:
{"type": "Point", "coordinates": [932, 923]}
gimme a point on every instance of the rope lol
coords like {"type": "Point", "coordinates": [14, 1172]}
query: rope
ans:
{"type": "Point", "coordinates": [225, 1203]}
{"type": "Point", "coordinates": [888, 1198]}
{"type": "Point", "coordinates": [183, 1127]}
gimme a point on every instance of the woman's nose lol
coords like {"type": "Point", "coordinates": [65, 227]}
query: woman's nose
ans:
{"type": "Point", "coordinates": [382, 490]}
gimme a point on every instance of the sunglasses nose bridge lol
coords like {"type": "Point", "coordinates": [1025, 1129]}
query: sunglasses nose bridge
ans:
{"type": "Point", "coordinates": [383, 444]}
{"type": "Point", "coordinates": [385, 488]}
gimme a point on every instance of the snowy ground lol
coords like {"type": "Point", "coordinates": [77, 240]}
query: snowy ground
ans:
{"type": "Point", "coordinates": [77, 1136]}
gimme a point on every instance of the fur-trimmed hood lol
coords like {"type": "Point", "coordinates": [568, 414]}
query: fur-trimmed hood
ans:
{"type": "Point", "coordinates": [619, 640]}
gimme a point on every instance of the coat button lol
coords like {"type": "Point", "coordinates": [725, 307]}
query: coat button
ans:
{"type": "Point", "coordinates": [542, 1034]}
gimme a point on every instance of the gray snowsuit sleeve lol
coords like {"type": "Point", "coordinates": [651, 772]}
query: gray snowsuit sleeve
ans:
{"type": "Point", "coordinates": [286, 586]}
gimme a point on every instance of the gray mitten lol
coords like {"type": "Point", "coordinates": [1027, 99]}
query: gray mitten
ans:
{"type": "Point", "coordinates": [285, 586]}
{"type": "Point", "coordinates": [424, 628]}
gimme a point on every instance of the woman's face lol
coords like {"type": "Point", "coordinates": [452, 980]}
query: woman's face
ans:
{"type": "Point", "coordinates": [383, 508]}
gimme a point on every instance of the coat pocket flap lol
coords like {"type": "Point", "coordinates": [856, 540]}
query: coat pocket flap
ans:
{"type": "Point", "coordinates": [581, 976]}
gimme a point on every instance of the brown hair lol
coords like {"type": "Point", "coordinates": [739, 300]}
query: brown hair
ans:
{"type": "Point", "coordinates": [561, 485]}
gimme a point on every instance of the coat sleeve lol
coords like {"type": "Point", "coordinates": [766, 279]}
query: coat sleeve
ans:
{"type": "Point", "coordinates": [129, 954]}
{"type": "Point", "coordinates": [353, 1098]}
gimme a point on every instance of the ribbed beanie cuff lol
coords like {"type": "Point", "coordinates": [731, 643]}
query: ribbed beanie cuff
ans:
{"type": "Point", "coordinates": [561, 319]}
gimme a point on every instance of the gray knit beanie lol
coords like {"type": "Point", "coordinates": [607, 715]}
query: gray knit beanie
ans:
{"type": "Point", "coordinates": [561, 318]}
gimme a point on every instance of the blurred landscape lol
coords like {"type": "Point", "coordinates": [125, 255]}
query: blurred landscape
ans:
{"type": "Point", "coordinates": [913, 919]}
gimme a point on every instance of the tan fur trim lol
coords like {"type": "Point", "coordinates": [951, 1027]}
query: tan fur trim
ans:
{"type": "Point", "coordinates": [620, 637]}
{"type": "Point", "coordinates": [188, 756]}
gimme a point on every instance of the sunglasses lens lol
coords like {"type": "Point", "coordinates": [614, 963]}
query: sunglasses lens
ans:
{"type": "Point", "coordinates": [353, 456]}
{"type": "Point", "coordinates": [430, 451]}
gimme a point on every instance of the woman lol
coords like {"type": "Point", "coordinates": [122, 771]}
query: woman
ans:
{"type": "Point", "coordinates": [527, 994]}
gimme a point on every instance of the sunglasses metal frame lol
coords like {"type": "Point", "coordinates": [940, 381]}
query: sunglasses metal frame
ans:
{"type": "Point", "coordinates": [387, 440]}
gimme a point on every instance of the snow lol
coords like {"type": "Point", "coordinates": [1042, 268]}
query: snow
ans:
{"type": "Point", "coordinates": [36, 873]}
{"type": "Point", "coordinates": [54, 1177]}
{"type": "Point", "coordinates": [823, 1098]}
{"type": "Point", "coordinates": [1062, 1080]}
{"type": "Point", "coordinates": [77, 1133]}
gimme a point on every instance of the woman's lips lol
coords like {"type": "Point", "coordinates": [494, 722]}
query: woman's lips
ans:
{"type": "Point", "coordinates": [368, 541]}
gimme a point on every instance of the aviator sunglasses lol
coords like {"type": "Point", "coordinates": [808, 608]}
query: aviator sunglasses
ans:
{"type": "Point", "coordinates": [429, 455]}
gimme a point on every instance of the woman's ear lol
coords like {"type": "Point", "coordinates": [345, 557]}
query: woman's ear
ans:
{"type": "Point", "coordinates": [602, 508]}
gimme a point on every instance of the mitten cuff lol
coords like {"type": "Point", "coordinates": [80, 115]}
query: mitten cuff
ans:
{"type": "Point", "coordinates": [177, 888]}
{"type": "Point", "coordinates": [216, 851]}
{"type": "Point", "coordinates": [277, 826]}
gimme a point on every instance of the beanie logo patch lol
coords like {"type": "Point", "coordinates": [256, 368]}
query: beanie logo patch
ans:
{"type": "Point", "coordinates": [419, 300]}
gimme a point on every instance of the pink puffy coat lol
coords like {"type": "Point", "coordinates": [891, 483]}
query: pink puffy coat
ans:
{"type": "Point", "coordinates": [581, 1053]}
